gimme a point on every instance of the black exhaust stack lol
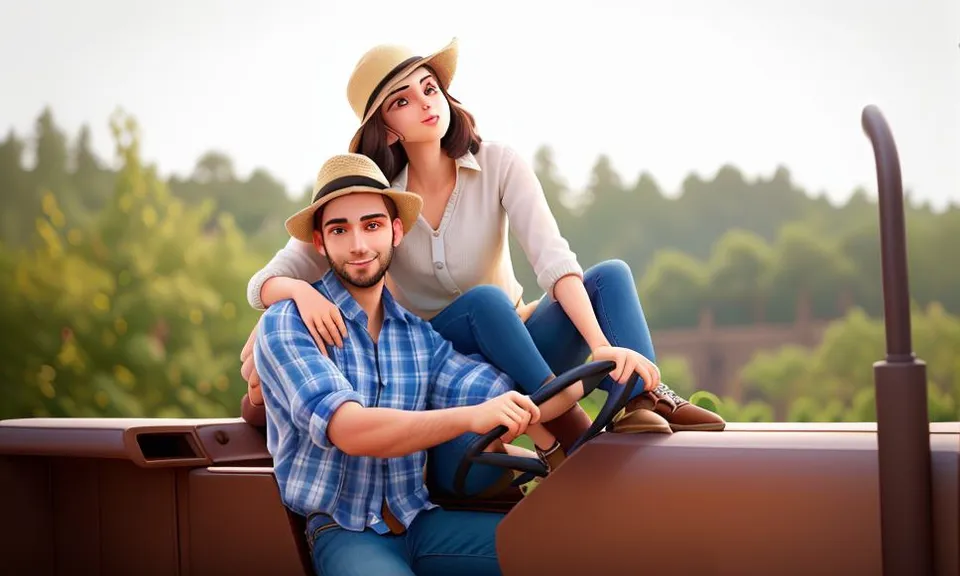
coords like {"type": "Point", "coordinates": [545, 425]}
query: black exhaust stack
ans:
{"type": "Point", "coordinates": [903, 424]}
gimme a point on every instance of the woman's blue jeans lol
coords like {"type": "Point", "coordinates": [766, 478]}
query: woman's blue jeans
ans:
{"type": "Point", "coordinates": [483, 320]}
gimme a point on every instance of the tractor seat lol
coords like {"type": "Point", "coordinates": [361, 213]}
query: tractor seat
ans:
{"type": "Point", "coordinates": [252, 414]}
{"type": "Point", "coordinates": [298, 527]}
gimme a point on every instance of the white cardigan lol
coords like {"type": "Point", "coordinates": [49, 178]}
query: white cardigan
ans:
{"type": "Point", "coordinates": [431, 268]}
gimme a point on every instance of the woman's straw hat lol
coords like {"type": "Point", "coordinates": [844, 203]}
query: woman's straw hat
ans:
{"type": "Point", "coordinates": [382, 69]}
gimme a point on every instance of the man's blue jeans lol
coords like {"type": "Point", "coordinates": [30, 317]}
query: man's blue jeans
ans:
{"type": "Point", "coordinates": [438, 542]}
{"type": "Point", "coordinates": [483, 320]}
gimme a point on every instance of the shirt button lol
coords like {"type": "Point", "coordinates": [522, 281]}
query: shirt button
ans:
{"type": "Point", "coordinates": [439, 265]}
{"type": "Point", "coordinates": [457, 292]}
{"type": "Point", "coordinates": [436, 234]}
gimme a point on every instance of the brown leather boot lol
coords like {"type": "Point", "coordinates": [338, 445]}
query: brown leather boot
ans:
{"type": "Point", "coordinates": [637, 418]}
{"type": "Point", "coordinates": [569, 426]}
{"type": "Point", "coordinates": [553, 456]}
{"type": "Point", "coordinates": [680, 413]}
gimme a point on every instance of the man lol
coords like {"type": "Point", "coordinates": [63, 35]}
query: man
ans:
{"type": "Point", "coordinates": [349, 429]}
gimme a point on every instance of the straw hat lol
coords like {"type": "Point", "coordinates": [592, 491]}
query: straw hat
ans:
{"type": "Point", "coordinates": [382, 69]}
{"type": "Point", "coordinates": [351, 174]}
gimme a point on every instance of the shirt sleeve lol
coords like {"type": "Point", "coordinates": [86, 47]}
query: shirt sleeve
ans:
{"type": "Point", "coordinates": [459, 380]}
{"type": "Point", "coordinates": [533, 224]}
{"type": "Point", "coordinates": [299, 383]}
{"type": "Point", "coordinates": [295, 260]}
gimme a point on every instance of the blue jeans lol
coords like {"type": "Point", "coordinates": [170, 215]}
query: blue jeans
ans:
{"type": "Point", "coordinates": [438, 542]}
{"type": "Point", "coordinates": [483, 320]}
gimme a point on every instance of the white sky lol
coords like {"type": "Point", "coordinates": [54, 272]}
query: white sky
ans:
{"type": "Point", "coordinates": [664, 87]}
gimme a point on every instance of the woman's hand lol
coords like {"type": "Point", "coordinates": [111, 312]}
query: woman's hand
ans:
{"type": "Point", "coordinates": [321, 316]}
{"type": "Point", "coordinates": [628, 362]}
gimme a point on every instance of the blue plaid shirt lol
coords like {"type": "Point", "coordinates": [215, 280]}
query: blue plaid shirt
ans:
{"type": "Point", "coordinates": [410, 368]}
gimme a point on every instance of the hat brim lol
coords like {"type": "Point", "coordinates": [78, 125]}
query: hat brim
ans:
{"type": "Point", "coordinates": [300, 225]}
{"type": "Point", "coordinates": [442, 62]}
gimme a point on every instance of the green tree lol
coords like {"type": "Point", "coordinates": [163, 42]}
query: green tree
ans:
{"type": "Point", "coordinates": [862, 246]}
{"type": "Point", "coordinates": [20, 203]}
{"type": "Point", "coordinates": [139, 314]}
{"type": "Point", "coordinates": [214, 166]}
{"type": "Point", "coordinates": [779, 376]}
{"type": "Point", "coordinates": [90, 180]}
{"type": "Point", "coordinates": [739, 270]}
{"type": "Point", "coordinates": [809, 273]}
{"type": "Point", "coordinates": [50, 171]}
{"type": "Point", "coordinates": [672, 290]}
{"type": "Point", "coordinates": [835, 382]}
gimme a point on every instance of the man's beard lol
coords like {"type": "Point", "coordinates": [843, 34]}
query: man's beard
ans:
{"type": "Point", "coordinates": [341, 271]}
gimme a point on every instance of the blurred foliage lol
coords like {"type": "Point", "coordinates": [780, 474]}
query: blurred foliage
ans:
{"type": "Point", "coordinates": [124, 293]}
{"type": "Point", "coordinates": [138, 311]}
{"type": "Point", "coordinates": [835, 383]}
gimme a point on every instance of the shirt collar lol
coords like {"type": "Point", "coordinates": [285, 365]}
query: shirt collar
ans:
{"type": "Point", "coordinates": [349, 307]}
{"type": "Point", "coordinates": [468, 161]}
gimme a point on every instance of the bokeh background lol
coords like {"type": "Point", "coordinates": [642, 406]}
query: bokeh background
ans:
{"type": "Point", "coordinates": [152, 151]}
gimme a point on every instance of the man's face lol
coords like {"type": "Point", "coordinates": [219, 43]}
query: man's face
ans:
{"type": "Point", "coordinates": [357, 237]}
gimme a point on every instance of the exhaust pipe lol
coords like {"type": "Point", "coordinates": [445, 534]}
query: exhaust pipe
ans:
{"type": "Point", "coordinates": [903, 424]}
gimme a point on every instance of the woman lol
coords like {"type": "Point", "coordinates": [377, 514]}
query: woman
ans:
{"type": "Point", "coordinates": [454, 267]}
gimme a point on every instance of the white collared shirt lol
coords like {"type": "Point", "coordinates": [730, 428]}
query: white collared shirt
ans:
{"type": "Point", "coordinates": [431, 268]}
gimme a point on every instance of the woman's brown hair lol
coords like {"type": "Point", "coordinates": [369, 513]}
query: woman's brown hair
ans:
{"type": "Point", "coordinates": [461, 137]}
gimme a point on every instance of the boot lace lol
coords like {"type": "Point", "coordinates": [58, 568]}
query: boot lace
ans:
{"type": "Point", "coordinates": [664, 390]}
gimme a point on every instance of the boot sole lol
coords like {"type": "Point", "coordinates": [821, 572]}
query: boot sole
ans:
{"type": "Point", "coordinates": [642, 429]}
{"type": "Point", "coordinates": [709, 427]}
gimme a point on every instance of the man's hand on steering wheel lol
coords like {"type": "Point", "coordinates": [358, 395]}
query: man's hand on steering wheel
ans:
{"type": "Point", "coordinates": [512, 409]}
{"type": "Point", "coordinates": [629, 361]}
{"type": "Point", "coordinates": [503, 425]}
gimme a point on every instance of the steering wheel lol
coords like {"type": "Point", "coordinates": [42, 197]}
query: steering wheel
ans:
{"type": "Point", "coordinates": [591, 374]}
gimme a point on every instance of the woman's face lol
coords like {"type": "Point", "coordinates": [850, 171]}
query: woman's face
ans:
{"type": "Point", "coordinates": [416, 109]}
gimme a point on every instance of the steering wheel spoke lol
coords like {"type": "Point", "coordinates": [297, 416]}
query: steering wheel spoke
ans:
{"type": "Point", "coordinates": [591, 374]}
{"type": "Point", "coordinates": [529, 465]}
